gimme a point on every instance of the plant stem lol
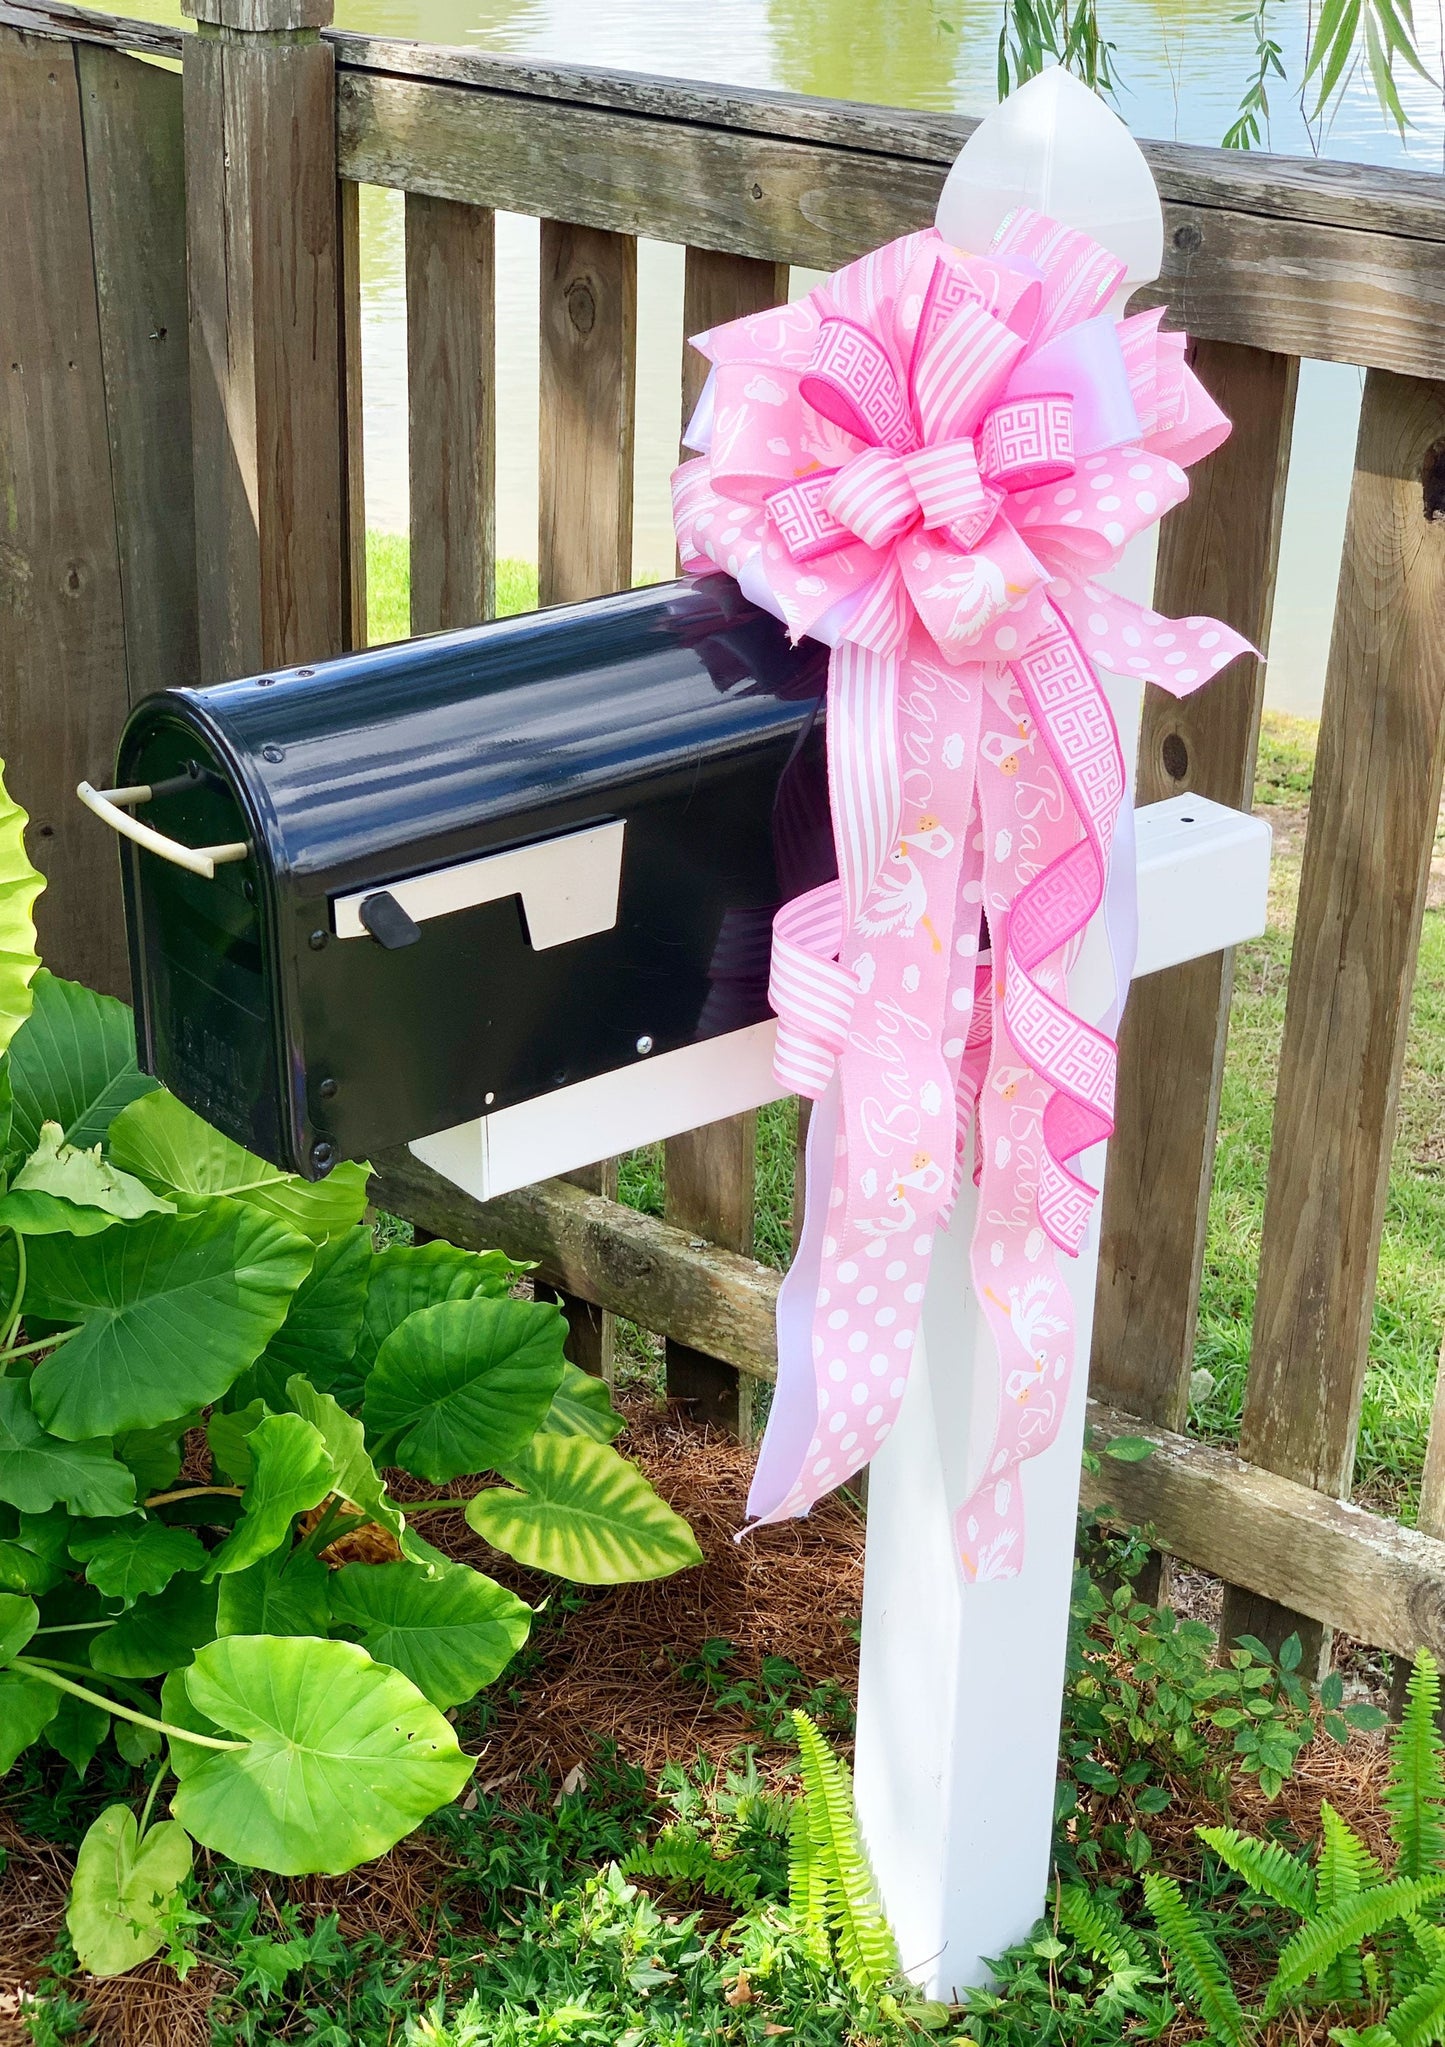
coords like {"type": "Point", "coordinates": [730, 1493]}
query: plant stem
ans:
{"type": "Point", "coordinates": [328, 1529]}
{"type": "Point", "coordinates": [12, 1313]}
{"type": "Point", "coordinates": [165, 1727]}
{"type": "Point", "coordinates": [72, 1628]}
{"type": "Point", "coordinates": [24, 1350]}
{"type": "Point", "coordinates": [193, 1492]}
{"type": "Point", "coordinates": [102, 1677]}
{"type": "Point", "coordinates": [145, 1811]}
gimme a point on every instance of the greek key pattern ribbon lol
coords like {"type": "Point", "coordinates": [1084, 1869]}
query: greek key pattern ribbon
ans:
{"type": "Point", "coordinates": [925, 464]}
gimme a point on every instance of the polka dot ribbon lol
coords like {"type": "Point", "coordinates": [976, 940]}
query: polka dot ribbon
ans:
{"type": "Point", "coordinates": [925, 463]}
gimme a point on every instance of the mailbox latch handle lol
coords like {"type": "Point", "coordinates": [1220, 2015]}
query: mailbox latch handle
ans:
{"type": "Point", "coordinates": [388, 922]}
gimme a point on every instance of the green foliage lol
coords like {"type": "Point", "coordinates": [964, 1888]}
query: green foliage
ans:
{"type": "Point", "coordinates": [19, 886]}
{"type": "Point", "coordinates": [167, 1312]}
{"type": "Point", "coordinates": [1250, 125]}
{"type": "Point", "coordinates": [341, 1756]}
{"type": "Point", "coordinates": [582, 1512]}
{"type": "Point", "coordinates": [465, 1385]}
{"type": "Point", "coordinates": [123, 1879]}
{"type": "Point", "coordinates": [833, 1868]}
{"type": "Point", "coordinates": [1199, 1967]}
{"type": "Point", "coordinates": [160, 1141]}
{"type": "Point", "coordinates": [767, 1701]}
{"type": "Point", "coordinates": [682, 1859]}
{"type": "Point", "coordinates": [1037, 33]}
{"type": "Point", "coordinates": [1415, 1796]}
{"type": "Point", "coordinates": [1147, 1703]}
{"type": "Point", "coordinates": [150, 1268]}
{"type": "Point", "coordinates": [450, 1633]}
{"type": "Point", "coordinates": [1369, 1941]}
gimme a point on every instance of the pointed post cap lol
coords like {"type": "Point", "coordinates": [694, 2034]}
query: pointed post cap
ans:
{"type": "Point", "coordinates": [1055, 146]}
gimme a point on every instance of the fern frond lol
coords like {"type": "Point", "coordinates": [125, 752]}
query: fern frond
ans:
{"type": "Point", "coordinates": [864, 1939]}
{"type": "Point", "coordinates": [681, 1857]}
{"type": "Point", "coordinates": [1346, 1925]}
{"type": "Point", "coordinates": [1265, 1867]}
{"type": "Point", "coordinates": [808, 1887]}
{"type": "Point", "coordinates": [1419, 2019]}
{"type": "Point", "coordinates": [1199, 1967]}
{"type": "Point", "coordinates": [1415, 1795]}
{"type": "Point", "coordinates": [1095, 1924]}
{"type": "Point", "coordinates": [1346, 1865]}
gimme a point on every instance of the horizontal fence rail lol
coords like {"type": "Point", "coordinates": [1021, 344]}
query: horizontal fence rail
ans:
{"type": "Point", "coordinates": [1267, 260]}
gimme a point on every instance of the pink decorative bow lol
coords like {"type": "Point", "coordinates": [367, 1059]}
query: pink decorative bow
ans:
{"type": "Point", "coordinates": [924, 463]}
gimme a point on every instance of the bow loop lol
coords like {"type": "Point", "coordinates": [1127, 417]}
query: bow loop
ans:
{"type": "Point", "coordinates": [874, 497]}
{"type": "Point", "coordinates": [1028, 441]}
{"type": "Point", "coordinates": [852, 381]}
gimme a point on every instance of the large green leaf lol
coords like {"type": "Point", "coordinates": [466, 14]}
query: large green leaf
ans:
{"type": "Point", "coordinates": [583, 1513]}
{"type": "Point", "coordinates": [32, 1550]}
{"type": "Point", "coordinates": [355, 1476]}
{"type": "Point", "coordinates": [177, 1710]}
{"type": "Point", "coordinates": [76, 1731]}
{"type": "Point", "coordinates": [406, 1277]}
{"type": "Point", "coordinates": [37, 1469]}
{"type": "Point", "coordinates": [285, 1594]}
{"type": "Point", "coordinates": [290, 1473]}
{"type": "Point", "coordinates": [19, 886]}
{"type": "Point", "coordinates": [462, 1386]}
{"type": "Point", "coordinates": [27, 1705]}
{"type": "Point", "coordinates": [170, 1309]}
{"type": "Point", "coordinates": [170, 1148]}
{"type": "Point", "coordinates": [68, 1614]}
{"type": "Point", "coordinates": [125, 1559]}
{"type": "Point", "coordinates": [63, 1188]}
{"type": "Point", "coordinates": [73, 1063]}
{"type": "Point", "coordinates": [160, 1632]}
{"type": "Point", "coordinates": [582, 1406]}
{"type": "Point", "coordinates": [228, 1439]}
{"type": "Point", "coordinates": [123, 1882]}
{"type": "Point", "coordinates": [19, 1618]}
{"type": "Point", "coordinates": [450, 1634]}
{"type": "Point", "coordinates": [344, 1756]}
{"type": "Point", "coordinates": [323, 1324]}
{"type": "Point", "coordinates": [156, 1455]}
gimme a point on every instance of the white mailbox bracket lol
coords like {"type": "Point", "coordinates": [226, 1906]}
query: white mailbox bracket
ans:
{"type": "Point", "coordinates": [1203, 880]}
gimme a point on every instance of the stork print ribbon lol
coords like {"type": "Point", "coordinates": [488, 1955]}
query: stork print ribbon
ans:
{"type": "Point", "coordinates": [923, 464]}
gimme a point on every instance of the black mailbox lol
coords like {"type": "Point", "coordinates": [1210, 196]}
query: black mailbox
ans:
{"type": "Point", "coordinates": [433, 880]}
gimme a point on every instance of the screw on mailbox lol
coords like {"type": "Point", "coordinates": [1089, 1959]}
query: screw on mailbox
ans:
{"type": "Point", "coordinates": [644, 1046]}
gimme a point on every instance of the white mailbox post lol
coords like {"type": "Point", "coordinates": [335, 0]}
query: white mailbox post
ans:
{"type": "Point", "coordinates": [960, 1685]}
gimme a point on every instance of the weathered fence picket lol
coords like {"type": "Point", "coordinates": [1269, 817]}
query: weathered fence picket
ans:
{"type": "Point", "coordinates": [1217, 554]}
{"type": "Point", "coordinates": [451, 411]}
{"type": "Point", "coordinates": [121, 574]}
{"type": "Point", "coordinates": [1373, 817]}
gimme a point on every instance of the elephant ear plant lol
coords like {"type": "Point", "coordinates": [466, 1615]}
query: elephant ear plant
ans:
{"type": "Point", "coordinates": [158, 1279]}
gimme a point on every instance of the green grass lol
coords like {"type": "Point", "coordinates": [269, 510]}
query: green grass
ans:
{"type": "Point", "coordinates": [388, 588]}
{"type": "Point", "coordinates": [1409, 1312]}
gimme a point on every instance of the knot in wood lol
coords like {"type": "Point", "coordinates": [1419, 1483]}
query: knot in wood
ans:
{"type": "Point", "coordinates": [1188, 238]}
{"type": "Point", "coordinates": [1432, 480]}
{"type": "Point", "coordinates": [581, 306]}
{"type": "Point", "coordinates": [1175, 756]}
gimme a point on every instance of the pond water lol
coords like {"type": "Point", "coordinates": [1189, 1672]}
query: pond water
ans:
{"type": "Point", "coordinates": [1182, 66]}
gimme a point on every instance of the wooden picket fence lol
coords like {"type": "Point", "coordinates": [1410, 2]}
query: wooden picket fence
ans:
{"type": "Point", "coordinates": [179, 305]}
